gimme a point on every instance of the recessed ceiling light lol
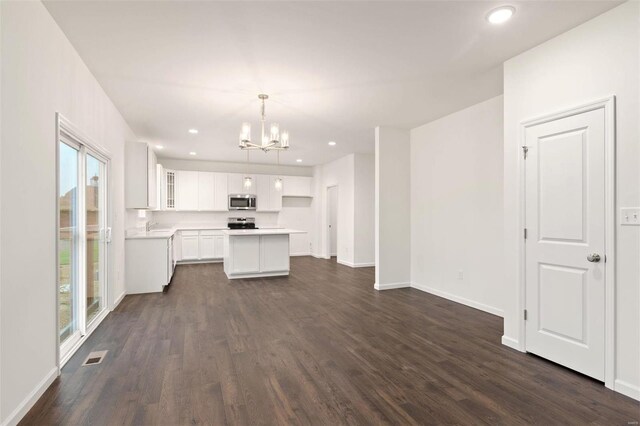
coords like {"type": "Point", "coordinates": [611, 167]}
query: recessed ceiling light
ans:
{"type": "Point", "coordinates": [192, 153]}
{"type": "Point", "coordinates": [501, 15]}
{"type": "Point", "coordinates": [299, 160]}
{"type": "Point", "coordinates": [332, 143]}
{"type": "Point", "coordinates": [159, 146]}
{"type": "Point", "coordinates": [193, 131]}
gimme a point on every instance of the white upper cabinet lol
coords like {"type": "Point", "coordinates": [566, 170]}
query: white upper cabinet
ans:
{"type": "Point", "coordinates": [275, 195]}
{"type": "Point", "coordinates": [161, 185]}
{"type": "Point", "coordinates": [220, 192]}
{"type": "Point", "coordinates": [297, 186]}
{"type": "Point", "coordinates": [187, 190]}
{"type": "Point", "coordinates": [206, 189]}
{"type": "Point", "coordinates": [140, 176]}
{"type": "Point", "coordinates": [269, 199]}
{"type": "Point", "coordinates": [209, 191]}
{"type": "Point", "coordinates": [235, 183]}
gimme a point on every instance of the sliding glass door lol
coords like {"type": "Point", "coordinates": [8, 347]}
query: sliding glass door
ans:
{"type": "Point", "coordinates": [68, 239]}
{"type": "Point", "coordinates": [95, 231]}
{"type": "Point", "coordinates": [83, 236]}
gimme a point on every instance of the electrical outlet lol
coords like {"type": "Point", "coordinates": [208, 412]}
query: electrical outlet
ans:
{"type": "Point", "coordinates": [630, 216]}
{"type": "Point", "coordinates": [461, 274]}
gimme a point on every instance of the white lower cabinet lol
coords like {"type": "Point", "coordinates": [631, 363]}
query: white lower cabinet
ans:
{"type": "Point", "coordinates": [148, 264]}
{"type": "Point", "coordinates": [274, 253]}
{"type": "Point", "coordinates": [245, 252]}
{"type": "Point", "coordinates": [190, 245]}
{"type": "Point", "coordinates": [256, 255]}
{"type": "Point", "coordinates": [201, 245]}
{"type": "Point", "coordinates": [207, 245]}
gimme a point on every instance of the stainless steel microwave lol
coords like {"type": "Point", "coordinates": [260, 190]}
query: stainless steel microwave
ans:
{"type": "Point", "coordinates": [242, 202]}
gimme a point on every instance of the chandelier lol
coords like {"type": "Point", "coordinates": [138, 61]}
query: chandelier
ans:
{"type": "Point", "coordinates": [274, 140]}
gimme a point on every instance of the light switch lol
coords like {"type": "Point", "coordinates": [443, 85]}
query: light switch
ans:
{"type": "Point", "coordinates": [630, 216]}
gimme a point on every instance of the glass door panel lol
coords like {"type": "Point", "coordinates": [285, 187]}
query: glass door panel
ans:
{"type": "Point", "coordinates": [95, 230]}
{"type": "Point", "coordinates": [68, 242]}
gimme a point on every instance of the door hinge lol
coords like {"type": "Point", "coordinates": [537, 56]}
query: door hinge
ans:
{"type": "Point", "coordinates": [525, 233]}
{"type": "Point", "coordinates": [525, 151]}
{"type": "Point", "coordinates": [525, 314]}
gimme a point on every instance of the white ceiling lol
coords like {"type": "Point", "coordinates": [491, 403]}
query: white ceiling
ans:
{"type": "Point", "coordinates": [333, 70]}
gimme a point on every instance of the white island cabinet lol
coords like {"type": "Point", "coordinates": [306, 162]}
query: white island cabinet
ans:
{"type": "Point", "coordinates": [149, 261]}
{"type": "Point", "coordinates": [256, 252]}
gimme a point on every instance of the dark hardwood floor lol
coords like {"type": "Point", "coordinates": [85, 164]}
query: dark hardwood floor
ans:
{"type": "Point", "coordinates": [318, 347]}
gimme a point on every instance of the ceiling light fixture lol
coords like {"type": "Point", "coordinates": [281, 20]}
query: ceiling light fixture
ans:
{"type": "Point", "coordinates": [501, 15]}
{"type": "Point", "coordinates": [299, 160]}
{"type": "Point", "coordinates": [192, 153]}
{"type": "Point", "coordinates": [332, 143]}
{"type": "Point", "coordinates": [193, 131]}
{"type": "Point", "coordinates": [272, 141]}
{"type": "Point", "coordinates": [159, 146]}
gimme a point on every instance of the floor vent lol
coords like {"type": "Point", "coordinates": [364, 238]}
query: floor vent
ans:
{"type": "Point", "coordinates": [94, 358]}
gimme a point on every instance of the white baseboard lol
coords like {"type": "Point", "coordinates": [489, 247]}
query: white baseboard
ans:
{"type": "Point", "coordinates": [118, 300]}
{"type": "Point", "coordinates": [356, 265]}
{"type": "Point", "coordinates": [319, 256]}
{"type": "Point", "coordinates": [33, 397]}
{"type": "Point", "coordinates": [628, 389]}
{"type": "Point", "coordinates": [391, 286]}
{"type": "Point", "coordinates": [511, 342]}
{"type": "Point", "coordinates": [458, 299]}
{"type": "Point", "coordinates": [300, 254]}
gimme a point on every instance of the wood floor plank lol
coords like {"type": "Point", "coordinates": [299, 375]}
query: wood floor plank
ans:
{"type": "Point", "coordinates": [319, 347]}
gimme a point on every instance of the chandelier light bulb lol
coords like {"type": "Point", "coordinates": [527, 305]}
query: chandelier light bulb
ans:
{"type": "Point", "coordinates": [275, 132]}
{"type": "Point", "coordinates": [278, 184]}
{"type": "Point", "coordinates": [245, 133]}
{"type": "Point", "coordinates": [284, 141]}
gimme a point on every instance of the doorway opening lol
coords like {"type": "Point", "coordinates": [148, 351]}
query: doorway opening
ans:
{"type": "Point", "coordinates": [332, 222]}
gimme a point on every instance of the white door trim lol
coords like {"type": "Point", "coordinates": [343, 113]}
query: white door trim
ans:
{"type": "Point", "coordinates": [608, 105]}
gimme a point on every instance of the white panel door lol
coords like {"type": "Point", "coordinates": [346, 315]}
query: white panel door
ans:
{"type": "Point", "coordinates": [206, 188]}
{"type": "Point", "coordinates": [565, 221]}
{"type": "Point", "coordinates": [187, 190]}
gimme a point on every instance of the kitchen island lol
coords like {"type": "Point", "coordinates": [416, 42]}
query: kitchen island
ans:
{"type": "Point", "coordinates": [250, 253]}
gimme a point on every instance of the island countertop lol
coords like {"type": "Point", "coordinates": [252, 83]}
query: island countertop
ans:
{"type": "Point", "coordinates": [266, 231]}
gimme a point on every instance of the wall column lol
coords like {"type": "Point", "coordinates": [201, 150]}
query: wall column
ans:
{"type": "Point", "coordinates": [392, 206]}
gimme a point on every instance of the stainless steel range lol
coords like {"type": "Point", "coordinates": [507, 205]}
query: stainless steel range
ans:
{"type": "Point", "coordinates": [242, 223]}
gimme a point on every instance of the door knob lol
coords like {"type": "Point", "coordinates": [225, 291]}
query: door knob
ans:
{"type": "Point", "coordinates": [594, 257]}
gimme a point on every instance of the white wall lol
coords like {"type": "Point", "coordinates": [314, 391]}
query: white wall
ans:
{"type": "Point", "coordinates": [42, 74]}
{"type": "Point", "coordinates": [392, 223]}
{"type": "Point", "coordinates": [592, 61]}
{"type": "Point", "coordinates": [364, 199]}
{"type": "Point", "coordinates": [456, 206]}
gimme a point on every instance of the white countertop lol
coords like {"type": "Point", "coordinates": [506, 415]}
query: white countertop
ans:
{"type": "Point", "coordinates": [165, 233]}
{"type": "Point", "coordinates": [262, 231]}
